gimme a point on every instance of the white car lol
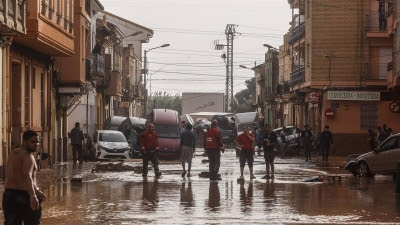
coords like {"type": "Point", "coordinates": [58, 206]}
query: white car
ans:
{"type": "Point", "coordinates": [111, 145]}
{"type": "Point", "coordinates": [383, 160]}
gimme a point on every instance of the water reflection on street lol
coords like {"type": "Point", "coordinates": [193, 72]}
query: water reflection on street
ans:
{"type": "Point", "coordinates": [125, 198]}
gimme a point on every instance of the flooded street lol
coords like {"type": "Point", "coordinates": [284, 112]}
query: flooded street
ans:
{"type": "Point", "coordinates": [125, 198]}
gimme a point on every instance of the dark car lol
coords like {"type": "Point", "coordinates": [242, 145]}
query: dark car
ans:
{"type": "Point", "coordinates": [132, 128]}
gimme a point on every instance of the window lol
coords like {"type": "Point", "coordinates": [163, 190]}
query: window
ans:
{"type": "Point", "coordinates": [392, 143]}
{"type": "Point", "coordinates": [33, 78]}
{"type": "Point", "coordinates": [308, 55]}
{"type": "Point", "coordinates": [369, 116]}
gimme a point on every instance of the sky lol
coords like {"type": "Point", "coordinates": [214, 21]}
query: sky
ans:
{"type": "Point", "coordinates": [190, 63]}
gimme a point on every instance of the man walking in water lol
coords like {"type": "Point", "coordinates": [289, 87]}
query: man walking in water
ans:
{"type": "Point", "coordinates": [325, 141]}
{"type": "Point", "coordinates": [306, 141]}
{"type": "Point", "coordinates": [77, 141]}
{"type": "Point", "coordinates": [245, 143]}
{"type": "Point", "coordinates": [269, 142]}
{"type": "Point", "coordinates": [213, 146]}
{"type": "Point", "coordinates": [188, 145]}
{"type": "Point", "coordinates": [22, 197]}
{"type": "Point", "coordinates": [149, 143]}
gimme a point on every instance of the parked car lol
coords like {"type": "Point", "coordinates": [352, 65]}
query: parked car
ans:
{"type": "Point", "coordinates": [382, 160]}
{"type": "Point", "coordinates": [201, 124]}
{"type": "Point", "coordinates": [110, 144]}
{"type": "Point", "coordinates": [132, 128]}
{"type": "Point", "coordinates": [113, 122]}
{"type": "Point", "coordinates": [292, 137]}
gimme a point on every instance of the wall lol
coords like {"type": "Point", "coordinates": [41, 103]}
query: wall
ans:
{"type": "Point", "coordinates": [202, 102]}
{"type": "Point", "coordinates": [336, 34]}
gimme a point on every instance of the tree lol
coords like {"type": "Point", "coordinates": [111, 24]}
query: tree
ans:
{"type": "Point", "coordinates": [244, 98]}
{"type": "Point", "coordinates": [164, 100]}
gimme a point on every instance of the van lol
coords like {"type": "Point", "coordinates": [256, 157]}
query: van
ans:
{"type": "Point", "coordinates": [167, 125]}
{"type": "Point", "coordinates": [113, 123]}
{"type": "Point", "coordinates": [132, 128]}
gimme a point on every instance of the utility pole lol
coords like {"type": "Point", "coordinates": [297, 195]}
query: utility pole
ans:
{"type": "Point", "coordinates": [230, 32]}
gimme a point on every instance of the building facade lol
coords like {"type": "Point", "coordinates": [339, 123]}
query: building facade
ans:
{"type": "Point", "coordinates": [331, 62]}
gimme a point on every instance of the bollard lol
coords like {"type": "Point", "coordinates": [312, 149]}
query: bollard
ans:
{"type": "Point", "coordinates": [398, 179]}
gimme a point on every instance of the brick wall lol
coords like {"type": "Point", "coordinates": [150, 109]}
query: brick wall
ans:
{"type": "Point", "coordinates": [337, 29]}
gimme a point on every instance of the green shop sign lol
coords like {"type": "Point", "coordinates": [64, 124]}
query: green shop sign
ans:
{"type": "Point", "coordinates": [354, 95]}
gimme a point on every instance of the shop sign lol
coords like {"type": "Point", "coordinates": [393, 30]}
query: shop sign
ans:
{"type": "Point", "coordinates": [313, 98]}
{"type": "Point", "coordinates": [354, 95]}
{"type": "Point", "coordinates": [330, 113]}
{"type": "Point", "coordinates": [395, 107]}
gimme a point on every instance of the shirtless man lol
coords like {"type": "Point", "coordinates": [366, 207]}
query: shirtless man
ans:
{"type": "Point", "coordinates": [21, 198]}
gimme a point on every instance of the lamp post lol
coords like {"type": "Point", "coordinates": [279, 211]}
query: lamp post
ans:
{"type": "Point", "coordinates": [145, 75]}
{"type": "Point", "coordinates": [131, 35]}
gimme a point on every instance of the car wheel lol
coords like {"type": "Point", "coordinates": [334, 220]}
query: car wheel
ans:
{"type": "Point", "coordinates": [363, 170]}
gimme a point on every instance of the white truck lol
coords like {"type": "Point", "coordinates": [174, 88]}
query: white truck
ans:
{"type": "Point", "coordinates": [193, 102]}
{"type": "Point", "coordinates": [249, 119]}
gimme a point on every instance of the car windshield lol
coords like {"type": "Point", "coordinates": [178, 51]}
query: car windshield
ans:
{"type": "Point", "coordinates": [250, 125]}
{"type": "Point", "coordinates": [167, 131]}
{"type": "Point", "coordinates": [288, 131]}
{"type": "Point", "coordinates": [114, 127]}
{"type": "Point", "coordinates": [112, 137]}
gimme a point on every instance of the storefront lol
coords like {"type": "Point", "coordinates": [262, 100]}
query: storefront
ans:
{"type": "Point", "coordinates": [351, 113]}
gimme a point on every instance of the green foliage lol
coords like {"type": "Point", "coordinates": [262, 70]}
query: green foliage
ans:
{"type": "Point", "coordinates": [164, 100]}
{"type": "Point", "coordinates": [244, 98]}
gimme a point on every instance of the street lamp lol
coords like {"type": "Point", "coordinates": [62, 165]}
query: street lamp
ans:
{"type": "Point", "coordinates": [244, 67]}
{"type": "Point", "coordinates": [145, 74]}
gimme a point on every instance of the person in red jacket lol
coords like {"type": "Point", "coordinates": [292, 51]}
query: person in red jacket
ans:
{"type": "Point", "coordinates": [245, 144]}
{"type": "Point", "coordinates": [149, 143]}
{"type": "Point", "coordinates": [213, 146]}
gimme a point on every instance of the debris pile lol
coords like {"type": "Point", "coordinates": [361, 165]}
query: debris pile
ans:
{"type": "Point", "coordinates": [116, 167]}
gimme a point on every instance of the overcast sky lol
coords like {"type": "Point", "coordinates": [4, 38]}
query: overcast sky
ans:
{"type": "Point", "coordinates": [191, 64]}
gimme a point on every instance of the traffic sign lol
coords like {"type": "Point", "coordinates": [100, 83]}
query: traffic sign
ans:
{"type": "Point", "coordinates": [395, 107]}
{"type": "Point", "coordinates": [330, 113]}
{"type": "Point", "coordinates": [313, 98]}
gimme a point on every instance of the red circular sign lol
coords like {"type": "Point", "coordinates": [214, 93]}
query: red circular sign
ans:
{"type": "Point", "coordinates": [313, 97]}
{"type": "Point", "coordinates": [395, 107]}
{"type": "Point", "coordinates": [330, 113]}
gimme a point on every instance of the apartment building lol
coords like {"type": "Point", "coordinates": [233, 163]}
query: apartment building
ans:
{"type": "Point", "coordinates": [339, 69]}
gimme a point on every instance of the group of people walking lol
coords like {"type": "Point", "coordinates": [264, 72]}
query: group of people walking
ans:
{"type": "Point", "coordinates": [376, 138]}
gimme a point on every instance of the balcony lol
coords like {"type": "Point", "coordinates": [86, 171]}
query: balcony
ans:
{"type": "Point", "coordinates": [97, 68]}
{"type": "Point", "coordinates": [377, 25]}
{"type": "Point", "coordinates": [114, 87]}
{"type": "Point", "coordinates": [12, 17]}
{"type": "Point", "coordinates": [297, 76]}
{"type": "Point", "coordinates": [297, 33]}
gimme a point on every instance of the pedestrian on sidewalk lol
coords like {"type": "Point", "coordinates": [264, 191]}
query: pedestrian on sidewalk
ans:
{"type": "Point", "coordinates": [214, 146]}
{"type": "Point", "coordinates": [150, 148]}
{"type": "Point", "coordinates": [372, 139]}
{"type": "Point", "coordinates": [381, 135]}
{"type": "Point", "coordinates": [269, 142]}
{"type": "Point", "coordinates": [245, 143]}
{"type": "Point", "coordinates": [77, 141]}
{"type": "Point", "coordinates": [188, 146]}
{"type": "Point", "coordinates": [306, 141]}
{"type": "Point", "coordinates": [22, 198]}
{"type": "Point", "coordinates": [326, 140]}
{"type": "Point", "coordinates": [283, 145]}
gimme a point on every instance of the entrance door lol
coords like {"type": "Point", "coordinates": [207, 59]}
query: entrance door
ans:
{"type": "Point", "coordinates": [16, 105]}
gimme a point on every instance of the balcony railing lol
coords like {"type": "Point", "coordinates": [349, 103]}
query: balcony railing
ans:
{"type": "Point", "coordinates": [377, 22]}
{"type": "Point", "coordinates": [297, 33]}
{"type": "Point", "coordinates": [97, 69]}
{"type": "Point", "coordinates": [12, 17]}
{"type": "Point", "coordinates": [115, 84]}
{"type": "Point", "coordinates": [297, 76]}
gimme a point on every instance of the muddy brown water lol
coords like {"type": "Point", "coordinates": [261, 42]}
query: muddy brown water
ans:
{"type": "Point", "coordinates": [125, 198]}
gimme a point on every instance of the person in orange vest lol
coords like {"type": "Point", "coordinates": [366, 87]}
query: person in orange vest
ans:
{"type": "Point", "coordinates": [150, 148]}
{"type": "Point", "coordinates": [214, 146]}
{"type": "Point", "coordinates": [245, 143]}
